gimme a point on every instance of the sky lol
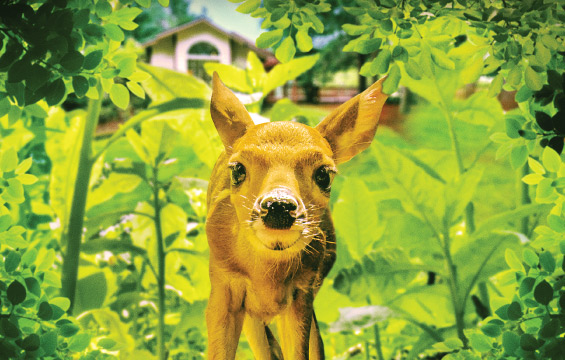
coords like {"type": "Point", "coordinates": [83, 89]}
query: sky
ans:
{"type": "Point", "coordinates": [223, 14]}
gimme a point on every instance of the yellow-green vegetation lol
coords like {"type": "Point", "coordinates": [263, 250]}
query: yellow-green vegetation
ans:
{"type": "Point", "coordinates": [450, 233]}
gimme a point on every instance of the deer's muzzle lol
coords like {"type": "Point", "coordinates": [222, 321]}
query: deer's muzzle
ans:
{"type": "Point", "coordinates": [279, 208]}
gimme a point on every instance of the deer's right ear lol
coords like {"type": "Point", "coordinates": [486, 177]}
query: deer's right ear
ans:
{"type": "Point", "coordinates": [228, 113]}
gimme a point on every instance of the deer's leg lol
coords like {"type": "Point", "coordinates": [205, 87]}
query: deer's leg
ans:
{"type": "Point", "coordinates": [261, 340]}
{"type": "Point", "coordinates": [294, 327]}
{"type": "Point", "coordinates": [224, 325]}
{"type": "Point", "coordinates": [316, 344]}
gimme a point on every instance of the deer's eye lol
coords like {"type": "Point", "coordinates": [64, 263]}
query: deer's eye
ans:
{"type": "Point", "coordinates": [238, 173]}
{"type": "Point", "coordinates": [323, 178]}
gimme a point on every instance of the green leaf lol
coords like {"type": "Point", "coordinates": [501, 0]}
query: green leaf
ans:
{"type": "Point", "coordinates": [514, 311]}
{"type": "Point", "coordinates": [367, 46]}
{"type": "Point", "coordinates": [518, 156]}
{"type": "Point", "coordinates": [491, 330]}
{"type": "Point", "coordinates": [12, 261]}
{"type": "Point", "coordinates": [103, 8]}
{"type": "Point", "coordinates": [255, 71]}
{"type": "Point", "coordinates": [524, 94]}
{"type": "Point", "coordinates": [480, 342]}
{"type": "Point", "coordinates": [496, 85]}
{"type": "Point", "coordinates": [92, 291]}
{"type": "Point", "coordinates": [530, 257]}
{"type": "Point", "coordinates": [472, 71]}
{"type": "Point", "coordinates": [510, 342]}
{"type": "Point", "coordinates": [138, 145]}
{"type": "Point", "coordinates": [9, 160]}
{"type": "Point", "coordinates": [534, 80]}
{"type": "Point", "coordinates": [56, 92]}
{"type": "Point", "coordinates": [144, 3]}
{"type": "Point", "coordinates": [413, 70]}
{"type": "Point", "coordinates": [31, 342]}
{"type": "Point", "coordinates": [390, 85]}
{"type": "Point", "coordinates": [356, 217]}
{"type": "Point", "coordinates": [92, 60]}
{"type": "Point", "coordinates": [542, 54]}
{"type": "Point", "coordinates": [119, 95]}
{"type": "Point", "coordinates": [355, 30]}
{"type": "Point", "coordinates": [9, 329]}
{"type": "Point", "coordinates": [282, 73]}
{"type": "Point", "coordinates": [536, 166]}
{"type": "Point", "coordinates": [136, 89]}
{"type": "Point", "coordinates": [248, 6]}
{"type": "Point", "coordinates": [551, 159]}
{"type": "Point", "coordinates": [512, 127]}
{"type": "Point", "coordinates": [399, 53]}
{"type": "Point", "coordinates": [381, 62]}
{"type": "Point", "coordinates": [45, 311]}
{"type": "Point", "coordinates": [543, 293]}
{"type": "Point", "coordinates": [269, 39]}
{"type": "Point", "coordinates": [528, 342]}
{"type": "Point", "coordinates": [547, 261]}
{"type": "Point", "coordinates": [167, 85]}
{"type": "Point", "coordinates": [442, 59]}
{"type": "Point", "coordinates": [286, 50]}
{"type": "Point", "coordinates": [5, 222]}
{"type": "Point", "coordinates": [80, 85]}
{"type": "Point", "coordinates": [107, 343]}
{"type": "Point", "coordinates": [164, 3]}
{"type": "Point", "coordinates": [303, 41]}
{"type": "Point", "coordinates": [420, 193]}
{"type": "Point", "coordinates": [514, 77]}
{"type": "Point", "coordinates": [380, 273]}
{"type": "Point", "coordinates": [513, 261]}
{"type": "Point", "coordinates": [72, 61]}
{"type": "Point", "coordinates": [48, 342]}
{"type": "Point", "coordinates": [526, 286]}
{"type": "Point", "coordinates": [16, 293]}
{"type": "Point", "coordinates": [114, 32]}
{"type": "Point", "coordinates": [81, 341]}
{"type": "Point", "coordinates": [550, 330]}
{"type": "Point", "coordinates": [233, 77]}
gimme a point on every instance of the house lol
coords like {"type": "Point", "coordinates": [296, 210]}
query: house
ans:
{"type": "Point", "coordinates": [187, 47]}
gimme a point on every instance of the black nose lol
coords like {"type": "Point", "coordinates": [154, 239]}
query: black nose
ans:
{"type": "Point", "coordinates": [278, 213]}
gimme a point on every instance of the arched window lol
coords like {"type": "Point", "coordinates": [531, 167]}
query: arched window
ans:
{"type": "Point", "coordinates": [198, 54]}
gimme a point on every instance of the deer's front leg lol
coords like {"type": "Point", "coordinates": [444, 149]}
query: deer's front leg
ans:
{"type": "Point", "coordinates": [224, 324]}
{"type": "Point", "coordinates": [294, 326]}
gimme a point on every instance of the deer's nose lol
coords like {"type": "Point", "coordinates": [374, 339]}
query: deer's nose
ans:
{"type": "Point", "coordinates": [278, 210]}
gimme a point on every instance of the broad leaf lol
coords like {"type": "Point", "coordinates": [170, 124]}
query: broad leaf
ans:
{"type": "Point", "coordinates": [282, 73]}
{"type": "Point", "coordinates": [356, 218]}
{"type": "Point", "coordinates": [420, 194]}
{"type": "Point", "coordinates": [165, 85]}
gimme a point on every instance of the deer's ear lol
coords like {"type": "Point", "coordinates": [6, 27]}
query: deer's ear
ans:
{"type": "Point", "coordinates": [229, 115]}
{"type": "Point", "coordinates": [350, 128]}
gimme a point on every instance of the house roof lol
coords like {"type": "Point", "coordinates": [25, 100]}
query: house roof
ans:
{"type": "Point", "coordinates": [231, 35]}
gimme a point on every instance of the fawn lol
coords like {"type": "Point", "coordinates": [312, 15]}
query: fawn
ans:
{"type": "Point", "coordinates": [270, 232]}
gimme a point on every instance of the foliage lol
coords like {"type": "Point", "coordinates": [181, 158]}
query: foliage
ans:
{"type": "Point", "coordinates": [255, 81]}
{"type": "Point", "coordinates": [33, 322]}
{"type": "Point", "coordinates": [131, 207]}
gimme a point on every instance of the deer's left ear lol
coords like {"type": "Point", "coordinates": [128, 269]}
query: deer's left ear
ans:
{"type": "Point", "coordinates": [350, 128]}
{"type": "Point", "coordinates": [228, 113]}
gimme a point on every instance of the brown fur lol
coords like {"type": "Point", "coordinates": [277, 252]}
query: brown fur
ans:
{"type": "Point", "coordinates": [253, 284]}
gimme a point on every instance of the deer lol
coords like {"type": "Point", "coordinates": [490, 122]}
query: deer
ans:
{"type": "Point", "coordinates": [269, 228]}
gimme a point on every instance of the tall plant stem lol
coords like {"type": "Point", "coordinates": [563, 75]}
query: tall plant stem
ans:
{"type": "Point", "coordinates": [378, 344]}
{"type": "Point", "coordinates": [162, 351]}
{"type": "Point", "coordinates": [524, 198]}
{"type": "Point", "coordinates": [458, 308]}
{"type": "Point", "coordinates": [74, 230]}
